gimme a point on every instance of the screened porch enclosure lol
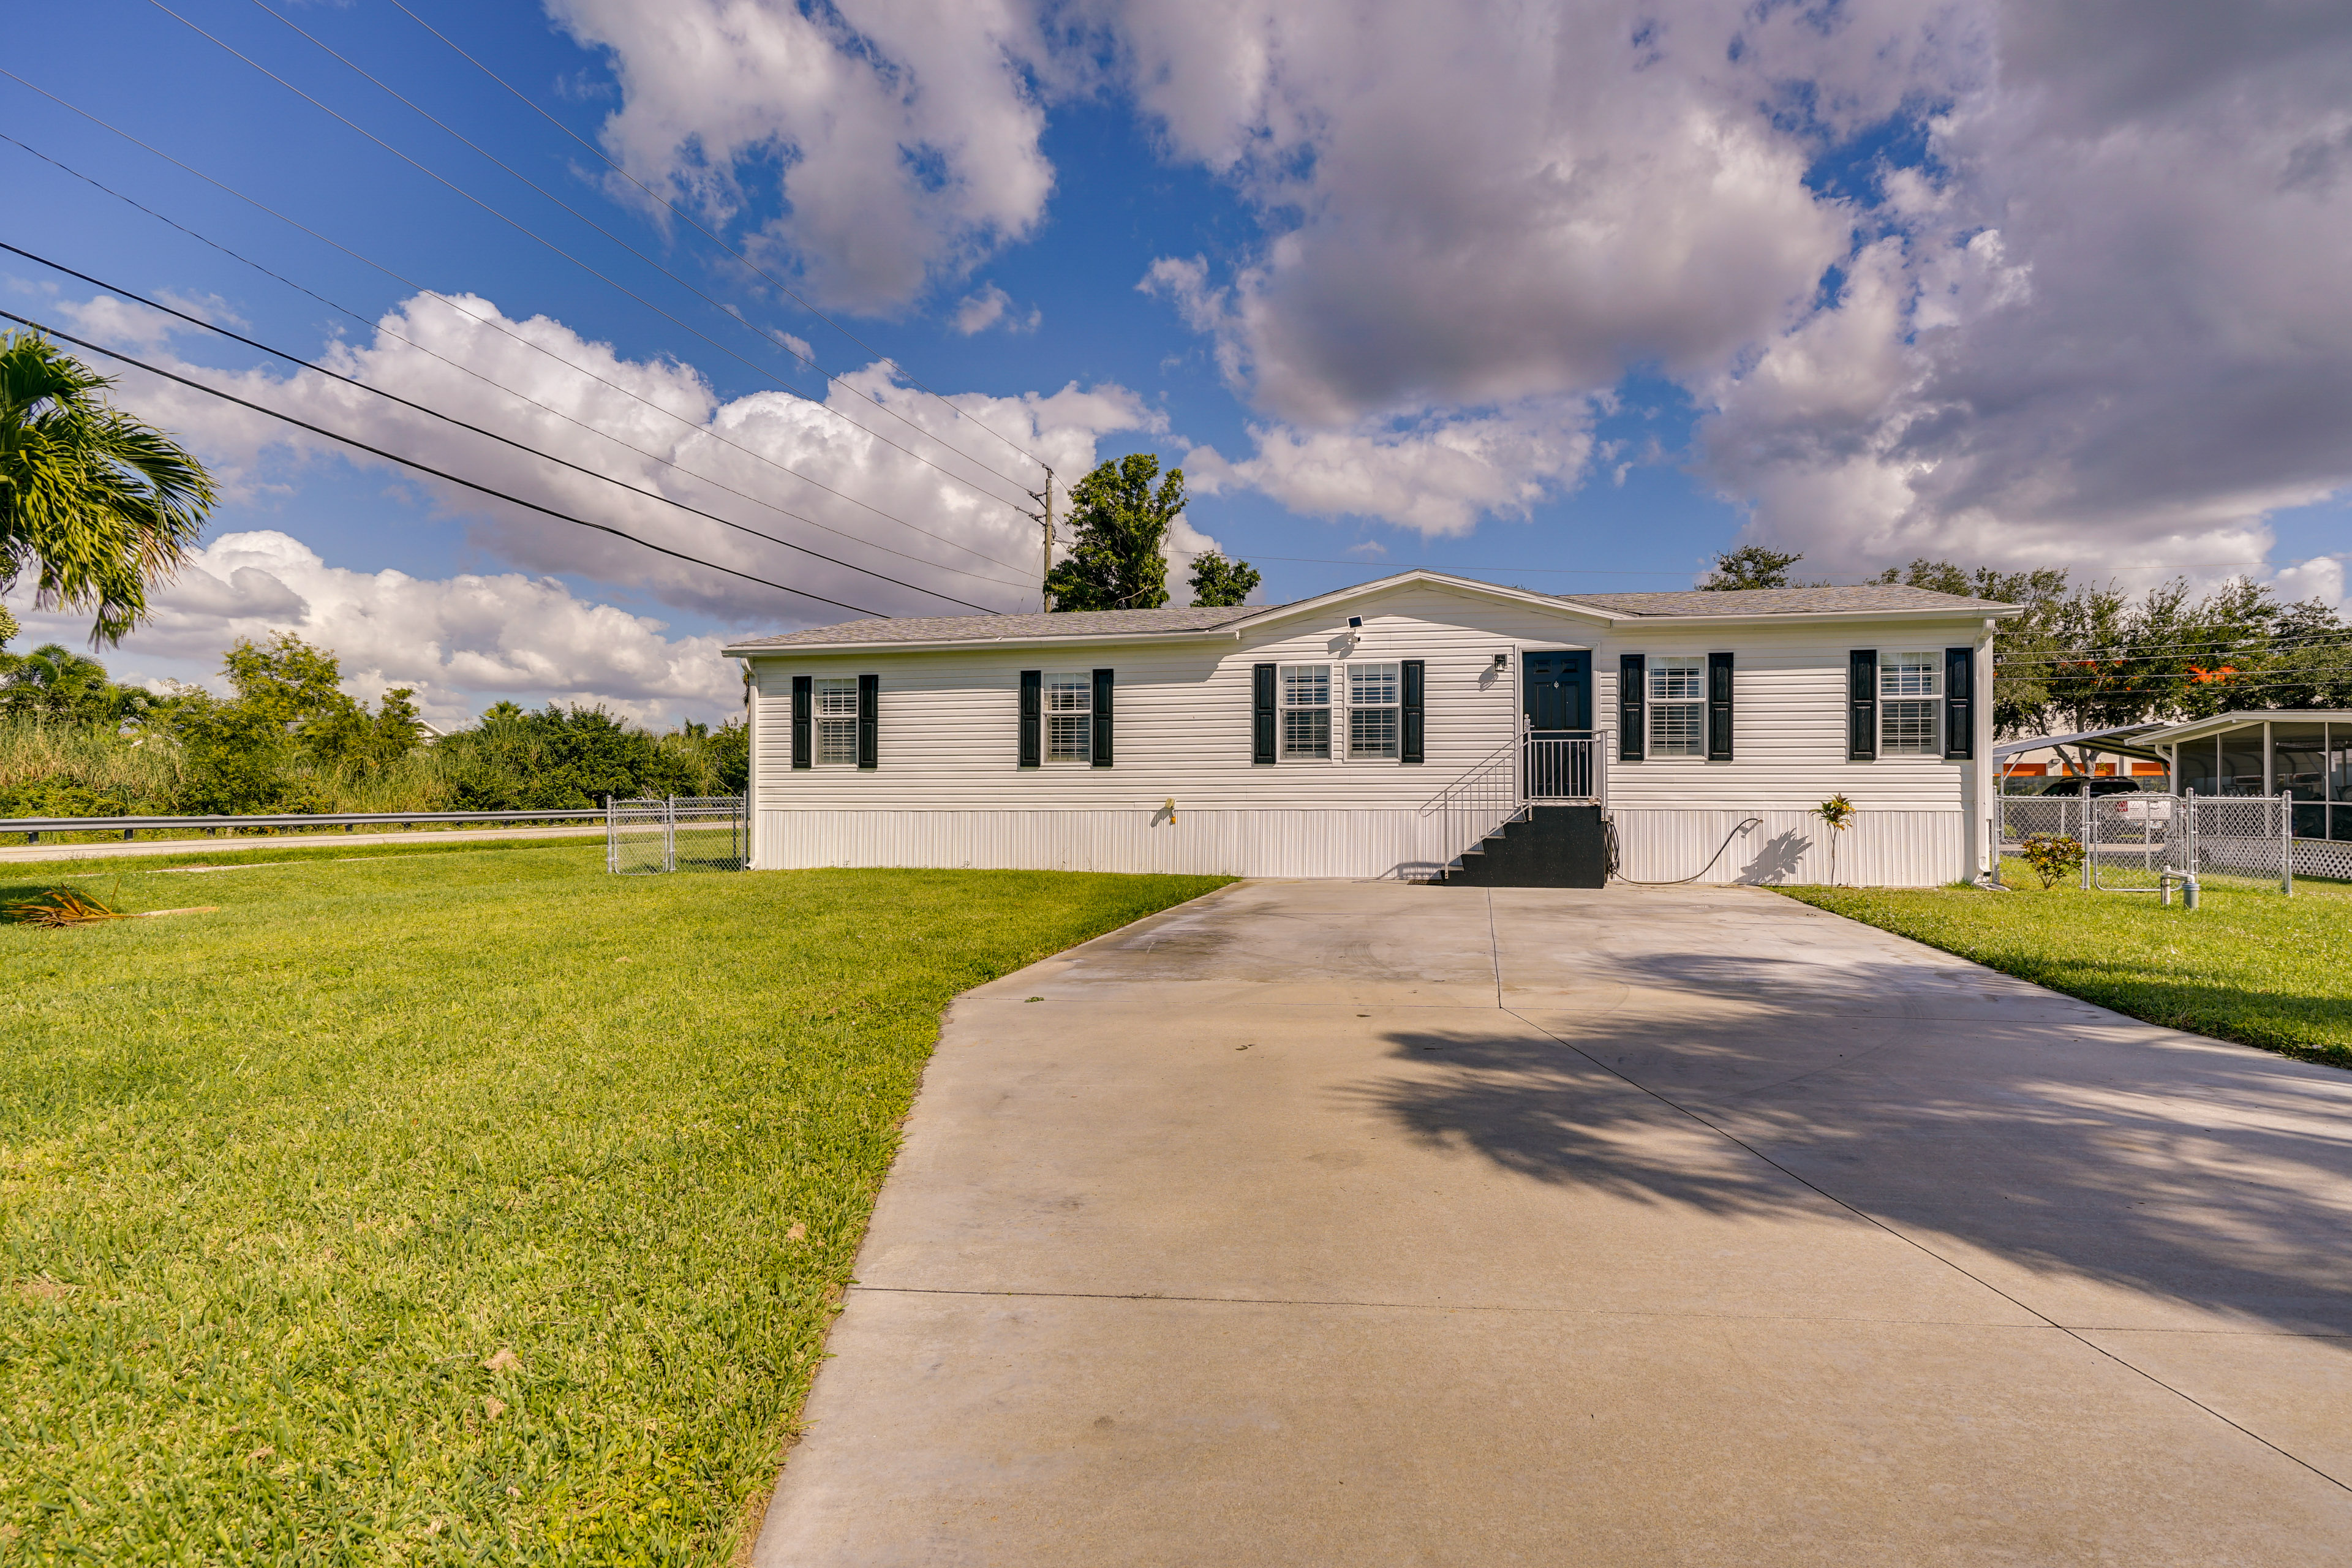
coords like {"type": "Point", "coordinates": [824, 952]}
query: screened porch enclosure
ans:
{"type": "Point", "coordinates": [2306, 758]}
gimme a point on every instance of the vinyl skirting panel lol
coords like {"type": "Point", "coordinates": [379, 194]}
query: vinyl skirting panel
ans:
{"type": "Point", "coordinates": [1888, 848]}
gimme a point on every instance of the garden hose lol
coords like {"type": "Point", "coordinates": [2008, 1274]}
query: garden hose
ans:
{"type": "Point", "coordinates": [1609, 832]}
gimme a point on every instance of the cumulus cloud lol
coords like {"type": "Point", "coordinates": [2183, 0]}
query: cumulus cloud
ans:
{"type": "Point", "coordinates": [1440, 478]}
{"type": "Point", "coordinates": [881, 477]}
{"type": "Point", "coordinates": [458, 642]}
{"type": "Point", "coordinates": [2106, 334]}
{"type": "Point", "coordinates": [901, 140]}
{"type": "Point", "coordinates": [993, 306]}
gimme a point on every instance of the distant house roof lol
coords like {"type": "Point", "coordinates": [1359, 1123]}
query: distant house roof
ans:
{"type": "Point", "coordinates": [1873, 598]}
{"type": "Point", "coordinates": [1784, 601]}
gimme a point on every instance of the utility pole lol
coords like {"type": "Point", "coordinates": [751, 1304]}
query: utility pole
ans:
{"type": "Point", "coordinates": [1045, 498]}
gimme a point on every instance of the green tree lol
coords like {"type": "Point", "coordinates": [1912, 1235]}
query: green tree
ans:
{"type": "Point", "coordinates": [1217, 581]}
{"type": "Point", "coordinates": [2024, 647]}
{"type": "Point", "coordinates": [95, 505]}
{"type": "Point", "coordinates": [1120, 524]}
{"type": "Point", "coordinates": [55, 682]}
{"type": "Point", "coordinates": [1750, 566]}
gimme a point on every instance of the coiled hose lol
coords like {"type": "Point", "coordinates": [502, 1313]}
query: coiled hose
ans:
{"type": "Point", "coordinates": [1609, 833]}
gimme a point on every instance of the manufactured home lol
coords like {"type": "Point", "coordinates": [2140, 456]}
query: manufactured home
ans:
{"type": "Point", "coordinates": [1422, 726]}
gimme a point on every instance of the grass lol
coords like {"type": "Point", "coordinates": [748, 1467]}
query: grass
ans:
{"type": "Point", "coordinates": [2249, 965]}
{"type": "Point", "coordinates": [453, 1205]}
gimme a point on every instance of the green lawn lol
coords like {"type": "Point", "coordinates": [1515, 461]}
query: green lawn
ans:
{"type": "Point", "coordinates": [463, 1205]}
{"type": "Point", "coordinates": [2248, 965]}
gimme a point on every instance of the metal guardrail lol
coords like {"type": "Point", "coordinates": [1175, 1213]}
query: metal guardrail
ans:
{"type": "Point", "coordinates": [33, 827]}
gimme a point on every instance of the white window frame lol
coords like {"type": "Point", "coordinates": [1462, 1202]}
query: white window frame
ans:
{"type": "Point", "coordinates": [1911, 692]}
{"type": "Point", "coordinates": [1675, 684]}
{"type": "Point", "coordinates": [1285, 683]}
{"type": "Point", "coordinates": [1082, 683]}
{"type": "Point", "coordinates": [1359, 672]}
{"type": "Point", "coordinates": [830, 719]}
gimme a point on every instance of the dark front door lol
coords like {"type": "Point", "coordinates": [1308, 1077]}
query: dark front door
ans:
{"type": "Point", "coordinates": [1558, 689]}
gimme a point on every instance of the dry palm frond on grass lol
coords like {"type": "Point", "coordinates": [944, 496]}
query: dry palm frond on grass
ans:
{"type": "Point", "coordinates": [60, 907]}
{"type": "Point", "coordinates": [64, 906]}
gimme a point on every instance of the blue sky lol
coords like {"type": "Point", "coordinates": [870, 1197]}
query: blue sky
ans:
{"type": "Point", "coordinates": [1408, 338]}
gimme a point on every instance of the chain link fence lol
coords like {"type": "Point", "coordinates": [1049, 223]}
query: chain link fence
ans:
{"type": "Point", "coordinates": [2129, 840]}
{"type": "Point", "coordinates": [679, 833]}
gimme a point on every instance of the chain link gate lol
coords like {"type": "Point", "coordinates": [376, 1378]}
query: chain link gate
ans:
{"type": "Point", "coordinates": [2129, 840]}
{"type": "Point", "coordinates": [678, 833]}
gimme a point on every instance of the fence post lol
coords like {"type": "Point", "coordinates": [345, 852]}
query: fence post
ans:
{"type": "Point", "coordinates": [612, 837]}
{"type": "Point", "coordinates": [2286, 843]}
{"type": "Point", "coordinates": [669, 833]}
{"type": "Point", "coordinates": [2085, 835]}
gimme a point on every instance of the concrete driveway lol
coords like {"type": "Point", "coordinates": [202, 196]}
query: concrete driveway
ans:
{"type": "Point", "coordinates": [1323, 1222]}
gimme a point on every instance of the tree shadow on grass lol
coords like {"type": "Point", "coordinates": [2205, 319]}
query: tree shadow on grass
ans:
{"type": "Point", "coordinates": [2179, 1170]}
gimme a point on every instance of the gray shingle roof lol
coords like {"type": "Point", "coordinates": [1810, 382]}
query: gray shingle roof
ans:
{"type": "Point", "coordinates": [1784, 601]}
{"type": "Point", "coordinates": [981, 628]}
{"type": "Point", "coordinates": [1117, 622]}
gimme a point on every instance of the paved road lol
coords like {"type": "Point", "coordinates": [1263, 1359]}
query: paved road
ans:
{"type": "Point", "coordinates": [1358, 1223]}
{"type": "Point", "coordinates": [422, 835]}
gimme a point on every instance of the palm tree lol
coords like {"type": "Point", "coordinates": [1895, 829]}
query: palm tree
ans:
{"type": "Point", "coordinates": [96, 504]}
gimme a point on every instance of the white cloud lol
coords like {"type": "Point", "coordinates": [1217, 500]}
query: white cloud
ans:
{"type": "Point", "coordinates": [938, 496]}
{"type": "Point", "coordinates": [991, 306]}
{"type": "Point", "coordinates": [1440, 476]}
{"type": "Point", "coordinates": [458, 642]}
{"type": "Point", "coordinates": [906, 135]}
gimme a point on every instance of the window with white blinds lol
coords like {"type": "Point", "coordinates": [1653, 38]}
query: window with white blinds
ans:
{"type": "Point", "coordinates": [1911, 703]}
{"type": "Point", "coordinates": [1375, 698]}
{"type": "Point", "coordinates": [1069, 717]}
{"type": "Point", "coordinates": [1305, 709]}
{"type": "Point", "coordinates": [1678, 706]}
{"type": "Point", "coordinates": [836, 701]}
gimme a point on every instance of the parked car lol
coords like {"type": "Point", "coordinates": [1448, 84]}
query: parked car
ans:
{"type": "Point", "coordinates": [2098, 787]}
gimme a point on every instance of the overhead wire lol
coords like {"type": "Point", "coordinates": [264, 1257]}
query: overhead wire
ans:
{"type": "Point", "coordinates": [425, 468]}
{"type": "Point", "coordinates": [781, 286]}
{"type": "Point", "coordinates": [496, 385]}
{"type": "Point", "coordinates": [494, 324]}
{"type": "Point", "coordinates": [767, 338]}
{"type": "Point", "coordinates": [533, 234]}
{"type": "Point", "coordinates": [479, 430]}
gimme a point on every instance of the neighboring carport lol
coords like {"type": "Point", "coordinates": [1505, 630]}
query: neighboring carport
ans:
{"type": "Point", "coordinates": [1329, 1223]}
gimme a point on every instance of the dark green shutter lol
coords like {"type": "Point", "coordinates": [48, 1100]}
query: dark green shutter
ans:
{"type": "Point", "coordinates": [1718, 708]}
{"type": "Point", "coordinates": [1102, 718]}
{"type": "Point", "coordinates": [1409, 726]}
{"type": "Point", "coordinates": [1959, 703]}
{"type": "Point", "coordinates": [1862, 705]}
{"type": "Point", "coordinates": [869, 720]}
{"type": "Point", "coordinates": [1033, 701]}
{"type": "Point", "coordinates": [1261, 718]}
{"type": "Point", "coordinates": [1632, 707]}
{"type": "Point", "coordinates": [803, 699]}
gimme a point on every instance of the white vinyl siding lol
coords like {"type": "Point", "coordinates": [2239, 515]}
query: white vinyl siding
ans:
{"type": "Point", "coordinates": [1306, 711]}
{"type": "Point", "coordinates": [836, 719]}
{"type": "Point", "coordinates": [1678, 706]}
{"type": "Point", "coordinates": [949, 723]}
{"type": "Point", "coordinates": [1910, 703]}
{"type": "Point", "coordinates": [1069, 717]}
{"type": "Point", "coordinates": [1374, 701]}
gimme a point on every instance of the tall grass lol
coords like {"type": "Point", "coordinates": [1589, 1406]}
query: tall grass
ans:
{"type": "Point", "coordinates": [50, 757]}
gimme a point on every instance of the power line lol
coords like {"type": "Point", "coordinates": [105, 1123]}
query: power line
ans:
{"type": "Point", "coordinates": [496, 326]}
{"type": "Point", "coordinates": [427, 468]}
{"type": "Point", "coordinates": [492, 435]}
{"type": "Point", "coordinates": [2212, 650]}
{"type": "Point", "coordinates": [529, 233]}
{"type": "Point", "coordinates": [499, 386]}
{"type": "Point", "coordinates": [765, 338]}
{"type": "Point", "coordinates": [778, 283]}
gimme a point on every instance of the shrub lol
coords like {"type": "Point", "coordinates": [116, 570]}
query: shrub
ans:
{"type": "Point", "coordinates": [2053, 857]}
